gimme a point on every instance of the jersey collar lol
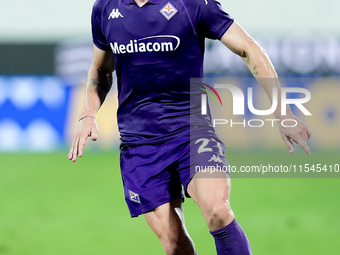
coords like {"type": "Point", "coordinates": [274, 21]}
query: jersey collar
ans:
{"type": "Point", "coordinates": [149, 2]}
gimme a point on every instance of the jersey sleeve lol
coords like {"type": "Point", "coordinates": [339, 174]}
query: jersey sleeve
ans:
{"type": "Point", "coordinates": [98, 36]}
{"type": "Point", "coordinates": [213, 20]}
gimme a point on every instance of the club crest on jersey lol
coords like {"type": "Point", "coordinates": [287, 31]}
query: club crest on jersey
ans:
{"type": "Point", "coordinates": [168, 11]}
{"type": "Point", "coordinates": [134, 197]}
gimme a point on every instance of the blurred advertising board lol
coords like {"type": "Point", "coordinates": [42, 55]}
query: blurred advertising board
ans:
{"type": "Point", "coordinates": [40, 113]}
{"type": "Point", "coordinates": [33, 112]}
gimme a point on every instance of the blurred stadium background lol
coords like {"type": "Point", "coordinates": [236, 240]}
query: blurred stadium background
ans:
{"type": "Point", "coordinates": [51, 206]}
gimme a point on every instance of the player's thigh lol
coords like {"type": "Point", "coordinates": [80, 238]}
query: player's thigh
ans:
{"type": "Point", "coordinates": [210, 182]}
{"type": "Point", "coordinates": [212, 196]}
{"type": "Point", "coordinates": [206, 190]}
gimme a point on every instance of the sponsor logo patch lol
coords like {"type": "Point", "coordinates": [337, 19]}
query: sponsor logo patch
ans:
{"type": "Point", "coordinates": [161, 43]}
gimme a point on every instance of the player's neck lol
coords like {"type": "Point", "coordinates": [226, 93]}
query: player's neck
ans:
{"type": "Point", "coordinates": [140, 3]}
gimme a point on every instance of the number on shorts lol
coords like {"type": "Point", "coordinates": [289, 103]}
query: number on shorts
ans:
{"type": "Point", "coordinates": [203, 147]}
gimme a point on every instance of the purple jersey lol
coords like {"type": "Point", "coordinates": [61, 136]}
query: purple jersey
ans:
{"type": "Point", "coordinates": [157, 49]}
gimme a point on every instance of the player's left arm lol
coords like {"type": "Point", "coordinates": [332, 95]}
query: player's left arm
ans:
{"type": "Point", "coordinates": [258, 62]}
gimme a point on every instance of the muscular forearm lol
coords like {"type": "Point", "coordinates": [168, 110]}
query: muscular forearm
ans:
{"type": "Point", "coordinates": [262, 69]}
{"type": "Point", "coordinates": [99, 82]}
{"type": "Point", "coordinates": [97, 86]}
{"type": "Point", "coordinates": [257, 60]}
{"type": "Point", "coordinates": [238, 41]}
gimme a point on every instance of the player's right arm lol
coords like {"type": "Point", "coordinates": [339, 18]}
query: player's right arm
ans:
{"type": "Point", "coordinates": [258, 62]}
{"type": "Point", "coordinates": [99, 82]}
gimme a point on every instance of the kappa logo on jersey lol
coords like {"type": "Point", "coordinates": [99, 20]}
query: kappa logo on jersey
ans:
{"type": "Point", "coordinates": [134, 197]}
{"type": "Point", "coordinates": [216, 159]}
{"type": "Point", "coordinates": [115, 14]}
{"type": "Point", "coordinates": [168, 11]}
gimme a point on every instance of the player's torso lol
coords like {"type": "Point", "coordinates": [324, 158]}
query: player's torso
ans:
{"type": "Point", "coordinates": [157, 50]}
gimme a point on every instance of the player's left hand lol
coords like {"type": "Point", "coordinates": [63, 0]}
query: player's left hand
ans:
{"type": "Point", "coordinates": [298, 134]}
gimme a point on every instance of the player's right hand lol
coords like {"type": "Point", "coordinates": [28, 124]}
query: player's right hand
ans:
{"type": "Point", "coordinates": [87, 127]}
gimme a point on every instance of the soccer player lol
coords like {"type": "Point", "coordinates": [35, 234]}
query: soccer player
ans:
{"type": "Point", "coordinates": [155, 47]}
